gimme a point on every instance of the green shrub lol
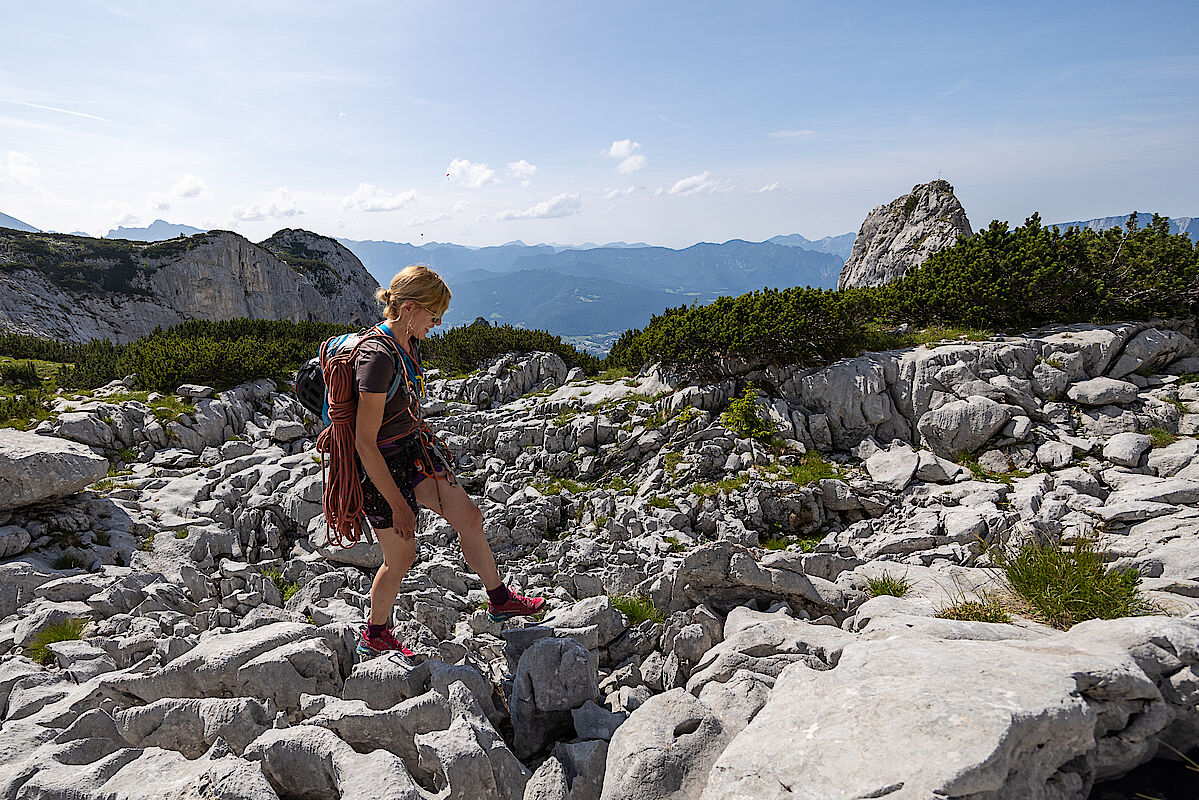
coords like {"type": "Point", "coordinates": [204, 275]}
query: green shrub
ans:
{"type": "Point", "coordinates": [638, 608]}
{"type": "Point", "coordinates": [1067, 585]}
{"type": "Point", "coordinates": [775, 543]}
{"type": "Point", "coordinates": [658, 501]}
{"type": "Point", "coordinates": [66, 630]}
{"type": "Point", "coordinates": [986, 609]}
{"type": "Point", "coordinates": [25, 409]}
{"type": "Point", "coordinates": [743, 418]}
{"type": "Point", "coordinates": [889, 585]}
{"type": "Point", "coordinates": [19, 373]}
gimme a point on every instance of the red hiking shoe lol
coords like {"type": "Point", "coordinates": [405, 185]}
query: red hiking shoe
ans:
{"type": "Point", "coordinates": [517, 606]}
{"type": "Point", "coordinates": [385, 642]}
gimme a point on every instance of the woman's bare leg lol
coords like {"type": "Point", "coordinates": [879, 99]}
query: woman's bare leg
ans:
{"type": "Point", "coordinates": [454, 505]}
{"type": "Point", "coordinates": [398, 556]}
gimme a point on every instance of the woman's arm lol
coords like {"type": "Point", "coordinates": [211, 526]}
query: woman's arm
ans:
{"type": "Point", "coordinates": [366, 434]}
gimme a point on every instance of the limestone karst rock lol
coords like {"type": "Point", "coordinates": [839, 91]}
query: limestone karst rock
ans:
{"type": "Point", "coordinates": [78, 289]}
{"type": "Point", "coordinates": [901, 235]}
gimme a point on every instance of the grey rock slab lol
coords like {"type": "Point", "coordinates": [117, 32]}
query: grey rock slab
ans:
{"type": "Point", "coordinates": [1150, 350]}
{"type": "Point", "coordinates": [766, 644]}
{"type": "Point", "coordinates": [962, 425]}
{"type": "Point", "coordinates": [934, 469]}
{"type": "Point", "coordinates": [311, 762]}
{"type": "Point", "coordinates": [664, 750]}
{"type": "Point", "coordinates": [1173, 458]}
{"type": "Point", "coordinates": [584, 763]}
{"type": "Point", "coordinates": [1161, 490]}
{"type": "Point", "coordinates": [597, 611]}
{"type": "Point", "coordinates": [894, 468]}
{"type": "Point", "coordinates": [191, 726]}
{"type": "Point", "coordinates": [214, 666]}
{"type": "Point", "coordinates": [34, 468]}
{"type": "Point", "coordinates": [1053, 454]}
{"type": "Point", "coordinates": [13, 541]}
{"type": "Point", "coordinates": [593, 722]}
{"type": "Point", "coordinates": [737, 700]}
{"type": "Point", "coordinates": [1133, 511]}
{"type": "Point", "coordinates": [1126, 449]}
{"type": "Point", "coordinates": [915, 717]}
{"type": "Point", "coordinates": [1103, 392]}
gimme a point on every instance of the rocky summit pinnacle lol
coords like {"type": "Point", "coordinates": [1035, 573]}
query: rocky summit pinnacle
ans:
{"type": "Point", "coordinates": [901, 235]}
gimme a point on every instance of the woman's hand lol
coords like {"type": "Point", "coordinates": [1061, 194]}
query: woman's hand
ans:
{"type": "Point", "coordinates": [403, 520]}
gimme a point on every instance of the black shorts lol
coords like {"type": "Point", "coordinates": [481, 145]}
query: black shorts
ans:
{"type": "Point", "coordinates": [409, 460]}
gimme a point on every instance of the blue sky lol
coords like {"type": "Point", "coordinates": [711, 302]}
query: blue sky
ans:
{"type": "Point", "coordinates": [664, 122]}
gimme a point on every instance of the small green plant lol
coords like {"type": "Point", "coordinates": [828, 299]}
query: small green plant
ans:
{"type": "Point", "coordinates": [1188, 377]}
{"type": "Point", "coordinates": [103, 485]}
{"type": "Point", "coordinates": [127, 454]}
{"type": "Point", "coordinates": [675, 545]}
{"type": "Point", "coordinates": [559, 485]}
{"type": "Point", "coordinates": [182, 533]}
{"type": "Point", "coordinates": [654, 422]}
{"type": "Point", "coordinates": [725, 485]}
{"type": "Point", "coordinates": [565, 417]}
{"type": "Point", "coordinates": [65, 630]}
{"type": "Point", "coordinates": [743, 419]}
{"type": "Point", "coordinates": [1174, 401]}
{"type": "Point", "coordinates": [670, 461]}
{"type": "Point", "coordinates": [658, 501]}
{"type": "Point", "coordinates": [775, 543]}
{"type": "Point", "coordinates": [638, 608]}
{"type": "Point", "coordinates": [687, 415]}
{"type": "Point", "coordinates": [889, 584]}
{"type": "Point", "coordinates": [811, 468]}
{"type": "Point", "coordinates": [1160, 437]}
{"type": "Point", "coordinates": [617, 484]}
{"type": "Point", "coordinates": [985, 609]}
{"type": "Point", "coordinates": [601, 521]}
{"type": "Point", "coordinates": [146, 544]}
{"type": "Point", "coordinates": [1065, 585]}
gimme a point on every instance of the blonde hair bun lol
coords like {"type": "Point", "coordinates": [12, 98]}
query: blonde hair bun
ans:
{"type": "Point", "coordinates": [419, 284]}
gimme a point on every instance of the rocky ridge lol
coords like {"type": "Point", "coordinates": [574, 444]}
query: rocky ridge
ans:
{"type": "Point", "coordinates": [898, 237]}
{"type": "Point", "coordinates": [218, 659]}
{"type": "Point", "coordinates": [79, 289]}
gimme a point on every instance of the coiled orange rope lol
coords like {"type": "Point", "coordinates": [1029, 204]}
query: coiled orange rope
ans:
{"type": "Point", "coordinates": [342, 496]}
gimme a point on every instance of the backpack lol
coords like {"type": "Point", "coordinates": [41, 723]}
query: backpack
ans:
{"type": "Point", "coordinates": [328, 389]}
{"type": "Point", "coordinates": [311, 389]}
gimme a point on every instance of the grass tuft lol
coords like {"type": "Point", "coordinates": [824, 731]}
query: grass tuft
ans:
{"type": "Point", "coordinates": [638, 608]}
{"type": "Point", "coordinates": [1160, 437]}
{"type": "Point", "coordinates": [986, 609]}
{"type": "Point", "coordinates": [887, 584]}
{"type": "Point", "coordinates": [65, 630]}
{"type": "Point", "coordinates": [1067, 585]}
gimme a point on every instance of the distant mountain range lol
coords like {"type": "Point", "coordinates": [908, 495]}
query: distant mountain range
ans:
{"type": "Point", "coordinates": [157, 231]}
{"type": "Point", "coordinates": [1187, 225]}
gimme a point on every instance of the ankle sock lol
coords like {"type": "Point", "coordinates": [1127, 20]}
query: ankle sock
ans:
{"type": "Point", "coordinates": [373, 630]}
{"type": "Point", "coordinates": [499, 595]}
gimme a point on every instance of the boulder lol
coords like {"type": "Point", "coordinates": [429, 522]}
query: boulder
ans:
{"type": "Point", "coordinates": [1150, 351]}
{"type": "Point", "coordinates": [1103, 392]}
{"type": "Point", "coordinates": [664, 750]}
{"type": "Point", "coordinates": [191, 726]}
{"type": "Point", "coordinates": [962, 425]}
{"type": "Point", "coordinates": [1126, 449]}
{"type": "Point", "coordinates": [34, 468]}
{"type": "Point", "coordinates": [894, 468]}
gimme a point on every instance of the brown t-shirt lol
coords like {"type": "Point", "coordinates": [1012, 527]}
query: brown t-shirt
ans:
{"type": "Point", "coordinates": [375, 371]}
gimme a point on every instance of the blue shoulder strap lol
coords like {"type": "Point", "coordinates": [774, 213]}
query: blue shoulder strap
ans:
{"type": "Point", "coordinates": [395, 385]}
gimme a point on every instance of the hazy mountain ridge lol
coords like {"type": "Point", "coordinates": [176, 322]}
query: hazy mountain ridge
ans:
{"type": "Point", "coordinates": [15, 224]}
{"type": "Point", "coordinates": [1186, 225]}
{"type": "Point", "coordinates": [156, 231]}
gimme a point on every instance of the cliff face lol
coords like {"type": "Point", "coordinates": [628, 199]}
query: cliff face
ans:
{"type": "Point", "coordinates": [901, 235]}
{"type": "Point", "coordinates": [75, 288]}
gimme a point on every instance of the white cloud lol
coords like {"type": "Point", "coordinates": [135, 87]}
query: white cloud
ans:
{"type": "Point", "coordinates": [612, 194]}
{"type": "Point", "coordinates": [562, 205]}
{"type": "Point", "coordinates": [630, 159]}
{"type": "Point", "coordinates": [770, 187]}
{"type": "Point", "coordinates": [800, 134]}
{"type": "Point", "coordinates": [372, 198]}
{"type": "Point", "coordinates": [696, 184]}
{"type": "Point", "coordinates": [458, 208]}
{"type": "Point", "coordinates": [280, 204]}
{"type": "Point", "coordinates": [469, 174]}
{"type": "Point", "coordinates": [522, 171]}
{"type": "Point", "coordinates": [189, 187]}
{"type": "Point", "coordinates": [21, 169]}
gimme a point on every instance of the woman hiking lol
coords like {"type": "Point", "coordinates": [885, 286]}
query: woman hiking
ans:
{"type": "Point", "coordinates": [407, 464]}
